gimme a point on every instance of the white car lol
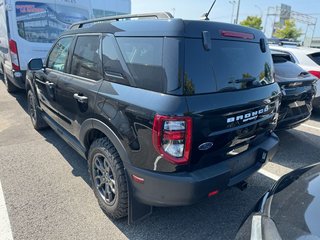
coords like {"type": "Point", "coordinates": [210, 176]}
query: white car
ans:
{"type": "Point", "coordinates": [306, 58]}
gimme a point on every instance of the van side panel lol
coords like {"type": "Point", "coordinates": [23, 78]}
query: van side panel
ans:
{"type": "Point", "coordinates": [3, 34]}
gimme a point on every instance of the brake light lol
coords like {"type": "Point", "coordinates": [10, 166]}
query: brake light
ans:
{"type": "Point", "coordinates": [315, 73]}
{"type": "Point", "coordinates": [171, 137]}
{"type": "Point", "coordinates": [233, 34]}
{"type": "Point", "coordinates": [14, 55]}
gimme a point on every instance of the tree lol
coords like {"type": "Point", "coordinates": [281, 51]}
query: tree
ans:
{"type": "Point", "coordinates": [252, 21]}
{"type": "Point", "coordinates": [288, 31]}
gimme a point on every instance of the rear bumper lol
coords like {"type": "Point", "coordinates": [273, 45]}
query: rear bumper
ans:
{"type": "Point", "coordinates": [17, 78]}
{"type": "Point", "coordinates": [290, 118]}
{"type": "Point", "coordinates": [294, 110]}
{"type": "Point", "coordinates": [185, 188]}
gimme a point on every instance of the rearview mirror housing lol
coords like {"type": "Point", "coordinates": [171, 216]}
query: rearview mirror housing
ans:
{"type": "Point", "coordinates": [35, 64]}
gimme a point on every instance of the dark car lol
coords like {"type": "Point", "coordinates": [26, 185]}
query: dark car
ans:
{"type": "Point", "coordinates": [298, 89]}
{"type": "Point", "coordinates": [166, 111]}
{"type": "Point", "coordinates": [290, 210]}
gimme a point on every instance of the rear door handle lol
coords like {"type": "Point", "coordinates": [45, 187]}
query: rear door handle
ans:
{"type": "Point", "coordinates": [80, 98]}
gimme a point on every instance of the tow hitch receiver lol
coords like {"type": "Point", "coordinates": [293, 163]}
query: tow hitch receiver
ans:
{"type": "Point", "coordinates": [242, 185]}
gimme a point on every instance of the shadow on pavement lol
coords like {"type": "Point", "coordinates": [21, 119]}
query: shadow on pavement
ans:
{"type": "Point", "coordinates": [297, 149]}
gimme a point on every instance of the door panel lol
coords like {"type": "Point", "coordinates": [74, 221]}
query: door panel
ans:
{"type": "Point", "coordinates": [76, 98]}
{"type": "Point", "coordinates": [76, 92]}
{"type": "Point", "coordinates": [47, 81]}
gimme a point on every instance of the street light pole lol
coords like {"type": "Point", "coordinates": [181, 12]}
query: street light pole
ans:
{"type": "Point", "coordinates": [237, 18]}
{"type": "Point", "coordinates": [261, 11]}
{"type": "Point", "coordinates": [233, 3]}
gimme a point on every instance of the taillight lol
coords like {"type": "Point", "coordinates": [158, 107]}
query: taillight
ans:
{"type": "Point", "coordinates": [14, 55]}
{"type": "Point", "coordinates": [315, 73]}
{"type": "Point", "coordinates": [233, 34]}
{"type": "Point", "coordinates": [171, 136]}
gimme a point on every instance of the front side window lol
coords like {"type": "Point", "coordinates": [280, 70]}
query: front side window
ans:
{"type": "Point", "coordinates": [44, 22]}
{"type": "Point", "coordinates": [58, 57]}
{"type": "Point", "coordinates": [86, 60]}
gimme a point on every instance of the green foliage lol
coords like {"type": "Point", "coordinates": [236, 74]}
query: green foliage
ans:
{"type": "Point", "coordinates": [288, 31]}
{"type": "Point", "coordinates": [252, 21]}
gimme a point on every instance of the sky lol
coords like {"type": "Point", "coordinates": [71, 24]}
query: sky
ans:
{"type": "Point", "coordinates": [222, 11]}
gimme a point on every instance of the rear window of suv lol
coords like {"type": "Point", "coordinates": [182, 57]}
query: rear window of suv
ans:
{"type": "Point", "coordinates": [228, 66]}
{"type": "Point", "coordinates": [315, 57]}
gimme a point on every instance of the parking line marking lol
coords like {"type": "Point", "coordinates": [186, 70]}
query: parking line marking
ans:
{"type": "Point", "coordinates": [5, 228]}
{"type": "Point", "coordinates": [269, 174]}
{"type": "Point", "coordinates": [306, 125]}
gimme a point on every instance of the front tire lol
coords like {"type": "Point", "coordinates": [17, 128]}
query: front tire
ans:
{"type": "Point", "coordinates": [34, 112]}
{"type": "Point", "coordinates": [108, 178]}
{"type": "Point", "coordinates": [9, 85]}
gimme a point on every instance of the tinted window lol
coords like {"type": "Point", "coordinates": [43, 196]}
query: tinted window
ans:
{"type": "Point", "coordinates": [58, 57]}
{"type": "Point", "coordinates": [228, 66]}
{"type": "Point", "coordinates": [111, 62]}
{"type": "Point", "coordinates": [144, 60]}
{"type": "Point", "coordinates": [44, 22]}
{"type": "Point", "coordinates": [315, 57]}
{"type": "Point", "coordinates": [86, 60]}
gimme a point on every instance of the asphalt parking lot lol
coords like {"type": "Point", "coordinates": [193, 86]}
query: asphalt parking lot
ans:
{"type": "Point", "coordinates": [47, 191]}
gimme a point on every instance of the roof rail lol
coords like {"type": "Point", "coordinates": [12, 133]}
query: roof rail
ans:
{"type": "Point", "coordinates": [157, 15]}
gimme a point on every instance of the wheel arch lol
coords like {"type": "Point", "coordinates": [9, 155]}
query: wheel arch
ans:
{"type": "Point", "coordinates": [93, 129]}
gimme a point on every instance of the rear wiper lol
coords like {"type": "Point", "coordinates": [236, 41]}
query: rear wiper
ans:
{"type": "Point", "coordinates": [240, 80]}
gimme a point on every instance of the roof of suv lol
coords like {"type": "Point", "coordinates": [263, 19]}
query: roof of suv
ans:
{"type": "Point", "coordinates": [295, 49]}
{"type": "Point", "coordinates": [174, 27]}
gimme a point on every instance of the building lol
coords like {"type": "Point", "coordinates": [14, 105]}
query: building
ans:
{"type": "Point", "coordinates": [104, 8]}
{"type": "Point", "coordinates": [315, 42]}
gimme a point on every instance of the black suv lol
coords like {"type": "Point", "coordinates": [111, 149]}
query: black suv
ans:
{"type": "Point", "coordinates": [167, 111]}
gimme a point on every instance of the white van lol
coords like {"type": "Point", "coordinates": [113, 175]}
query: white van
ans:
{"type": "Point", "coordinates": [28, 29]}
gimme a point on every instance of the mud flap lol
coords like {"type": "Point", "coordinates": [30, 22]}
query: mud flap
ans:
{"type": "Point", "coordinates": [136, 210]}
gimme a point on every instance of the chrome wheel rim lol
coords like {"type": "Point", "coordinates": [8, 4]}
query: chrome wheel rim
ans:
{"type": "Point", "coordinates": [103, 179]}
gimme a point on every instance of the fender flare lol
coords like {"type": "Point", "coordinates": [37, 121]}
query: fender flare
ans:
{"type": "Point", "coordinates": [91, 124]}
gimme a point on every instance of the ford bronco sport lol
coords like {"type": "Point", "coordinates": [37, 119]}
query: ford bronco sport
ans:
{"type": "Point", "coordinates": [166, 111]}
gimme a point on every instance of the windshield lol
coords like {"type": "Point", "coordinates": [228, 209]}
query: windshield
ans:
{"type": "Point", "coordinates": [228, 66]}
{"type": "Point", "coordinates": [44, 22]}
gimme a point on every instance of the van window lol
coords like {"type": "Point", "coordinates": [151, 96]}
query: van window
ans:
{"type": "Point", "coordinates": [44, 22]}
{"type": "Point", "coordinates": [86, 60]}
{"type": "Point", "coordinates": [58, 57]}
{"type": "Point", "coordinates": [144, 60]}
{"type": "Point", "coordinates": [228, 66]}
{"type": "Point", "coordinates": [112, 67]}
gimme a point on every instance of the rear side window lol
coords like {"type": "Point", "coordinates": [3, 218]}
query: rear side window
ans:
{"type": "Point", "coordinates": [112, 67]}
{"type": "Point", "coordinates": [86, 60]}
{"type": "Point", "coordinates": [58, 57]}
{"type": "Point", "coordinates": [315, 57]}
{"type": "Point", "coordinates": [143, 57]}
{"type": "Point", "coordinates": [228, 66]}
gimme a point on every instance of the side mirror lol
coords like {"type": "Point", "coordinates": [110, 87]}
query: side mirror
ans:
{"type": "Point", "coordinates": [35, 64]}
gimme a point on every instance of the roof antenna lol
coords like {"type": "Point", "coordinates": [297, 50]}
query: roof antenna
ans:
{"type": "Point", "coordinates": [205, 15]}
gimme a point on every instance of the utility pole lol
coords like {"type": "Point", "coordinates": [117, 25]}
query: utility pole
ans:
{"type": "Point", "coordinates": [237, 17]}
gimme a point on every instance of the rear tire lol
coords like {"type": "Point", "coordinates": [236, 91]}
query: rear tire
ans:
{"type": "Point", "coordinates": [34, 112]}
{"type": "Point", "coordinates": [9, 85]}
{"type": "Point", "coordinates": [108, 178]}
